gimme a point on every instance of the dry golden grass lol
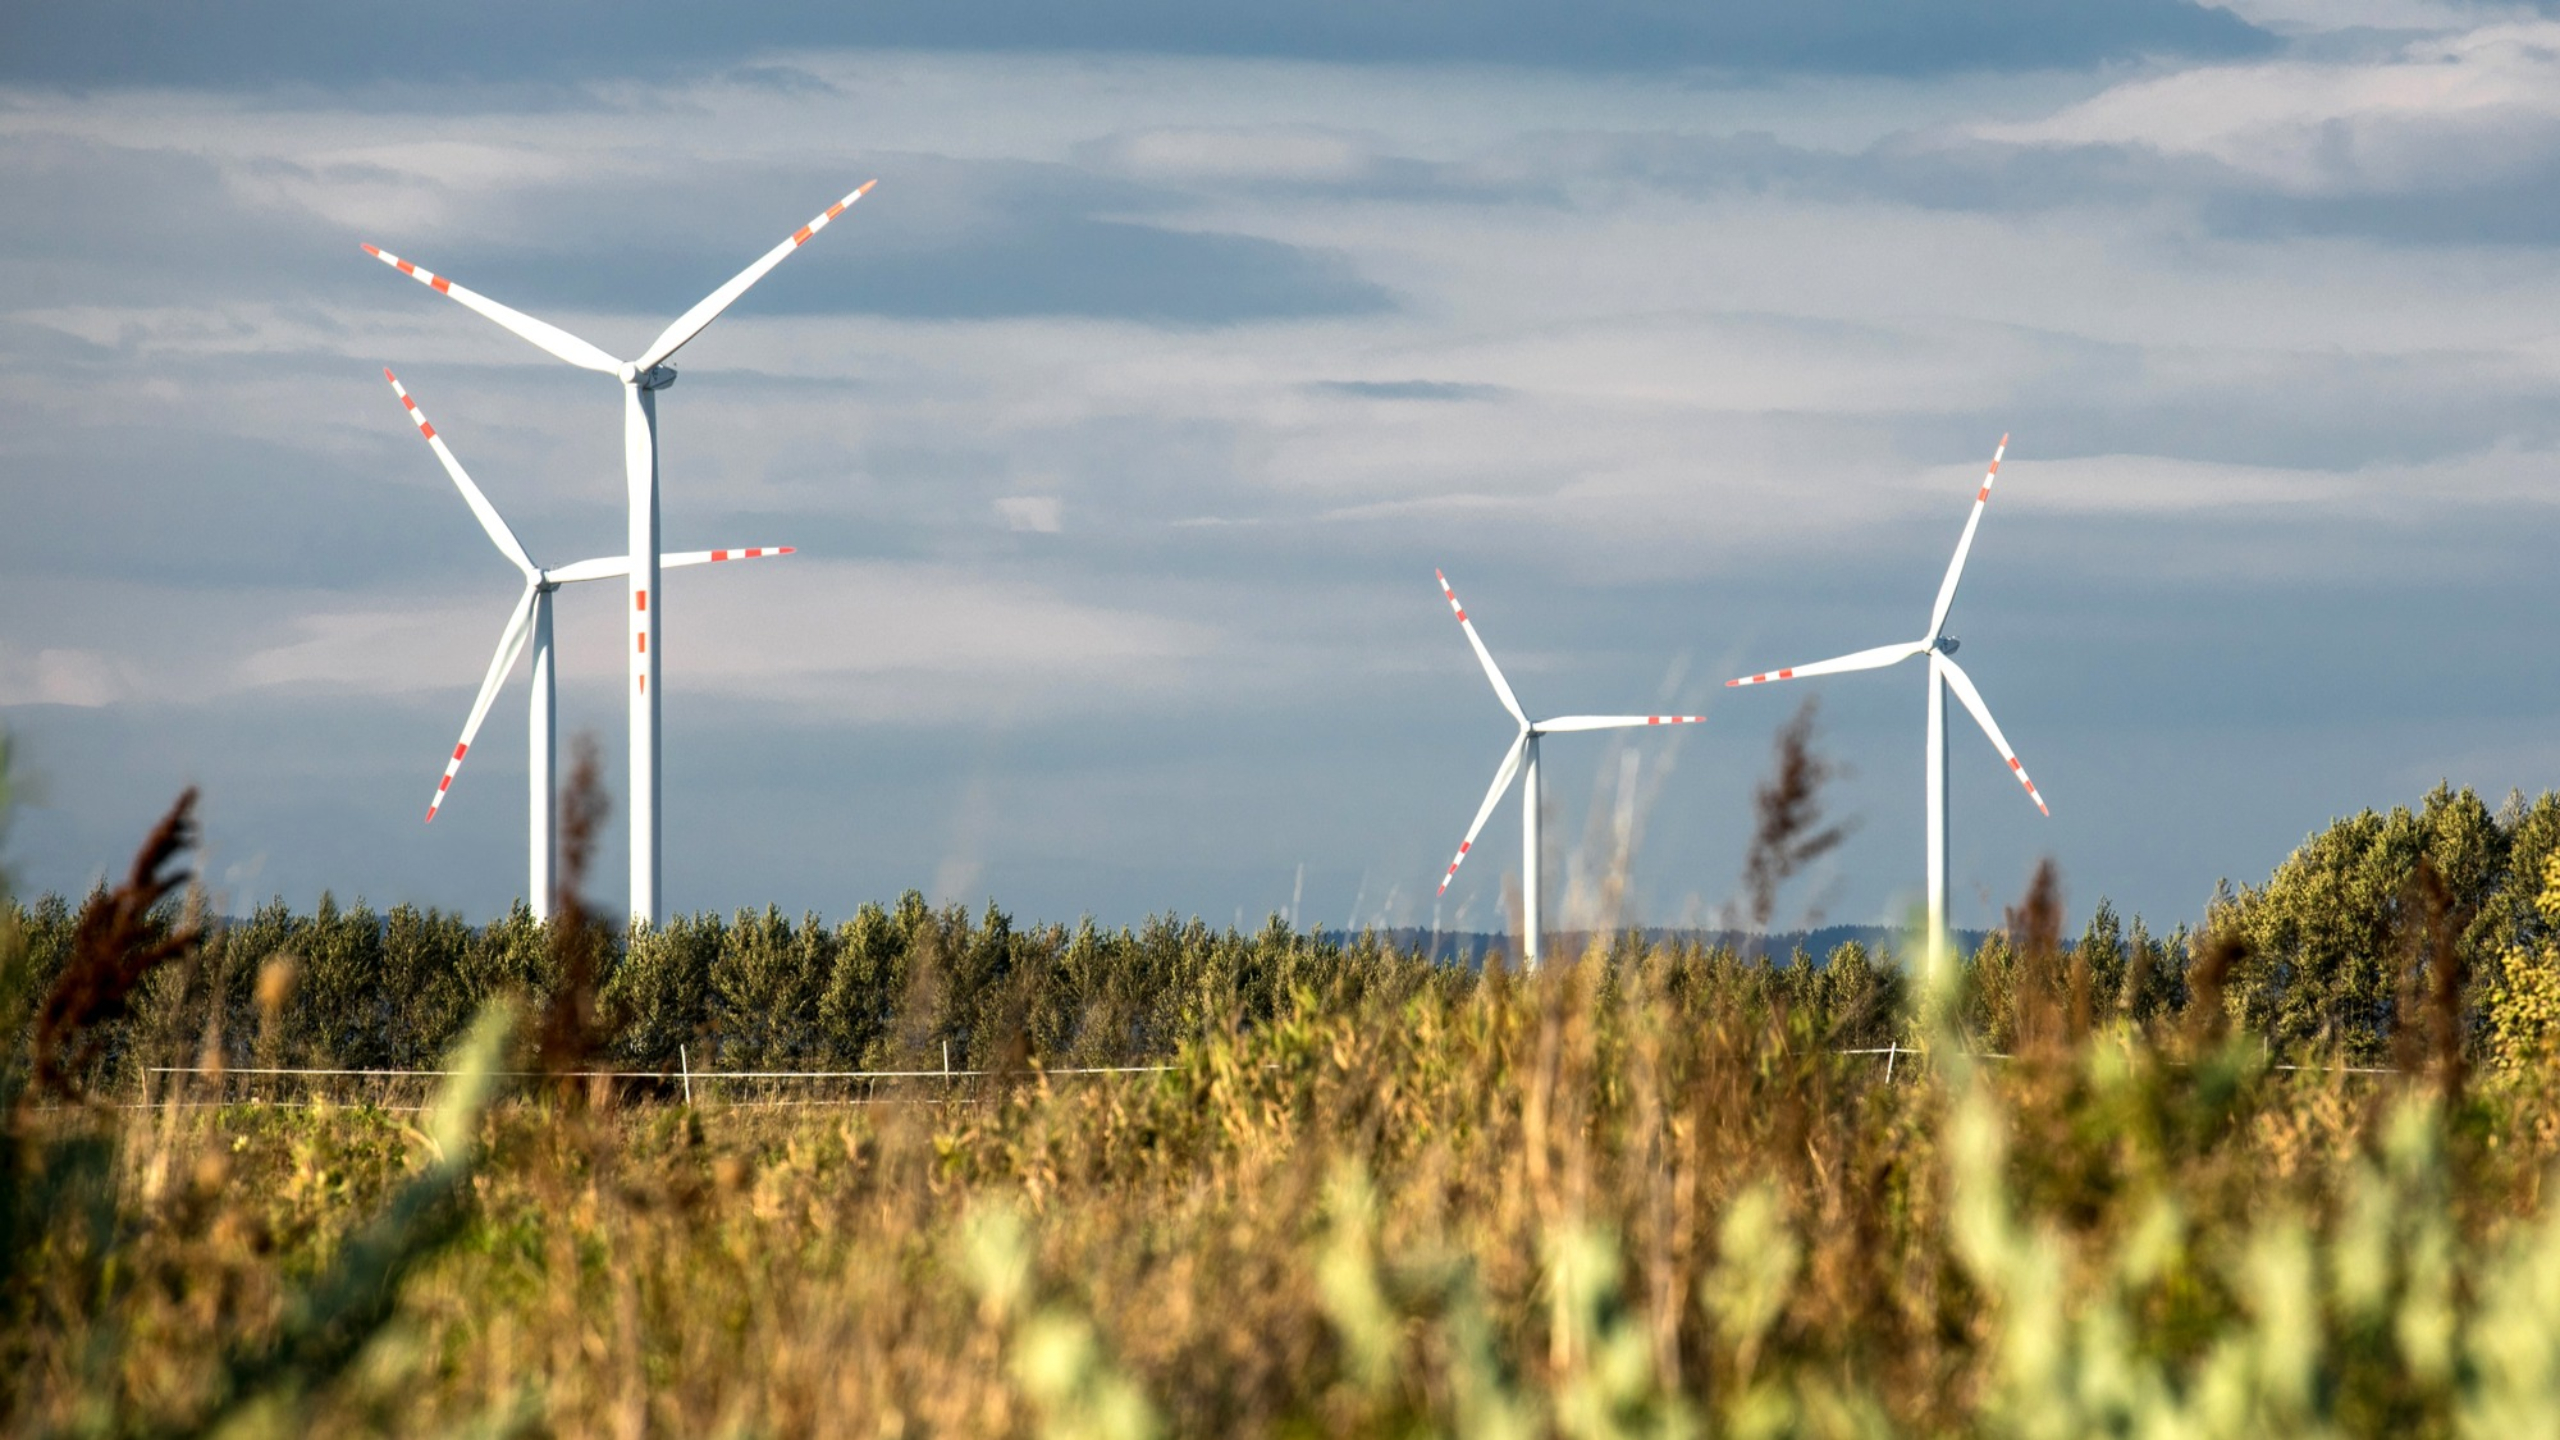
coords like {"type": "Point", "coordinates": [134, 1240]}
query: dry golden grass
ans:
{"type": "Point", "coordinates": [1606, 1201]}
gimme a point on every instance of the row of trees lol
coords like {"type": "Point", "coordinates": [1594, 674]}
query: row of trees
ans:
{"type": "Point", "coordinates": [2376, 929]}
{"type": "Point", "coordinates": [898, 987]}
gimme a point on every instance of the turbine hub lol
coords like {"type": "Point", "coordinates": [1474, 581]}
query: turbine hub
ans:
{"type": "Point", "coordinates": [658, 378]}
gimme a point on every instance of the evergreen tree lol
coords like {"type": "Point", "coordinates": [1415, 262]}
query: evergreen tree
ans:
{"type": "Point", "coordinates": [766, 987]}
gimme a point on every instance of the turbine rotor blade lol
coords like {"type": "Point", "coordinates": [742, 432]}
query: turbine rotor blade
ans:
{"type": "Point", "coordinates": [1962, 684]}
{"type": "Point", "coordinates": [549, 337]}
{"type": "Point", "coordinates": [715, 557]}
{"type": "Point", "coordinates": [1501, 782]}
{"type": "Point", "coordinates": [1492, 672]}
{"type": "Point", "coordinates": [708, 309]}
{"type": "Point", "coordinates": [499, 534]}
{"type": "Point", "coordinates": [1614, 722]}
{"type": "Point", "coordinates": [603, 567]}
{"type": "Point", "coordinates": [511, 643]}
{"type": "Point", "coordinates": [607, 567]}
{"type": "Point", "coordinates": [1875, 659]}
{"type": "Point", "coordinates": [1964, 546]}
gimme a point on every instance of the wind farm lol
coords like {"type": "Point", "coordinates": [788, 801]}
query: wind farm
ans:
{"type": "Point", "coordinates": [641, 381]}
{"type": "Point", "coordinates": [1002, 972]}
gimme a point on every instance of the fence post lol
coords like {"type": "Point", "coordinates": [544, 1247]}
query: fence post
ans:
{"type": "Point", "coordinates": [686, 1061]}
{"type": "Point", "coordinates": [946, 1059]}
{"type": "Point", "coordinates": [1892, 1052]}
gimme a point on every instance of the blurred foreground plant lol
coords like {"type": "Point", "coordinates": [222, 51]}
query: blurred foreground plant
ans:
{"type": "Point", "coordinates": [73, 1213]}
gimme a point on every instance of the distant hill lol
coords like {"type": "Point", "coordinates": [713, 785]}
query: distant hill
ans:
{"type": "Point", "coordinates": [1470, 947]}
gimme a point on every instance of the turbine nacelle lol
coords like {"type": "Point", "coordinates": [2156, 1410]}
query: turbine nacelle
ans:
{"type": "Point", "coordinates": [1948, 645]}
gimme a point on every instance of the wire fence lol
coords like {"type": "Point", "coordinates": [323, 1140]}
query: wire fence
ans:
{"type": "Point", "coordinates": [306, 1086]}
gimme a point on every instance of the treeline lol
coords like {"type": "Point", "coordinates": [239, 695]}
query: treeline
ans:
{"type": "Point", "coordinates": [889, 989]}
{"type": "Point", "coordinates": [2448, 914]}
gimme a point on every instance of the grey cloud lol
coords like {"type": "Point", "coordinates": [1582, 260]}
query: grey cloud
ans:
{"type": "Point", "coordinates": [203, 505]}
{"type": "Point", "coordinates": [98, 223]}
{"type": "Point", "coordinates": [1063, 265]}
{"type": "Point", "coordinates": [2517, 203]}
{"type": "Point", "coordinates": [942, 240]}
{"type": "Point", "coordinates": [2511, 210]}
{"type": "Point", "coordinates": [1408, 390]}
{"type": "Point", "coordinates": [2313, 411]}
{"type": "Point", "coordinates": [264, 42]}
{"type": "Point", "coordinates": [108, 224]}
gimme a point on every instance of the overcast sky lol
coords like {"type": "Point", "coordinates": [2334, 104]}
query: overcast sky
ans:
{"type": "Point", "coordinates": [1122, 426]}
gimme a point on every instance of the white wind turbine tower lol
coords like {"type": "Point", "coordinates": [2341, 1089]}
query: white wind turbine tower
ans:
{"type": "Point", "coordinates": [1522, 759]}
{"type": "Point", "coordinates": [529, 626]}
{"type": "Point", "coordinates": [1944, 675]}
{"type": "Point", "coordinates": [641, 380]}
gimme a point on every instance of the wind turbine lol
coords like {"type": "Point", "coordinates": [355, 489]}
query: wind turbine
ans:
{"type": "Point", "coordinates": [1522, 759]}
{"type": "Point", "coordinates": [641, 379]}
{"type": "Point", "coordinates": [529, 624]}
{"type": "Point", "coordinates": [1944, 675]}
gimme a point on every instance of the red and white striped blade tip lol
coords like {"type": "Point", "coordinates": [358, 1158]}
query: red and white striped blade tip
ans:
{"type": "Point", "coordinates": [1453, 866]}
{"type": "Point", "coordinates": [1452, 594]}
{"type": "Point", "coordinates": [801, 236]}
{"type": "Point", "coordinates": [446, 784]}
{"type": "Point", "coordinates": [408, 404]}
{"type": "Point", "coordinates": [2032, 793]}
{"type": "Point", "coordinates": [755, 553]}
{"type": "Point", "coordinates": [1763, 678]}
{"type": "Point", "coordinates": [423, 277]}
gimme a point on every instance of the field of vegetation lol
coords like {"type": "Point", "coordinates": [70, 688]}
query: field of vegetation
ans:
{"type": "Point", "coordinates": [2281, 1172]}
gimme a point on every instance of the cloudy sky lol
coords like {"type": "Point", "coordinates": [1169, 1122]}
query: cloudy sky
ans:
{"type": "Point", "coordinates": [1122, 427]}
